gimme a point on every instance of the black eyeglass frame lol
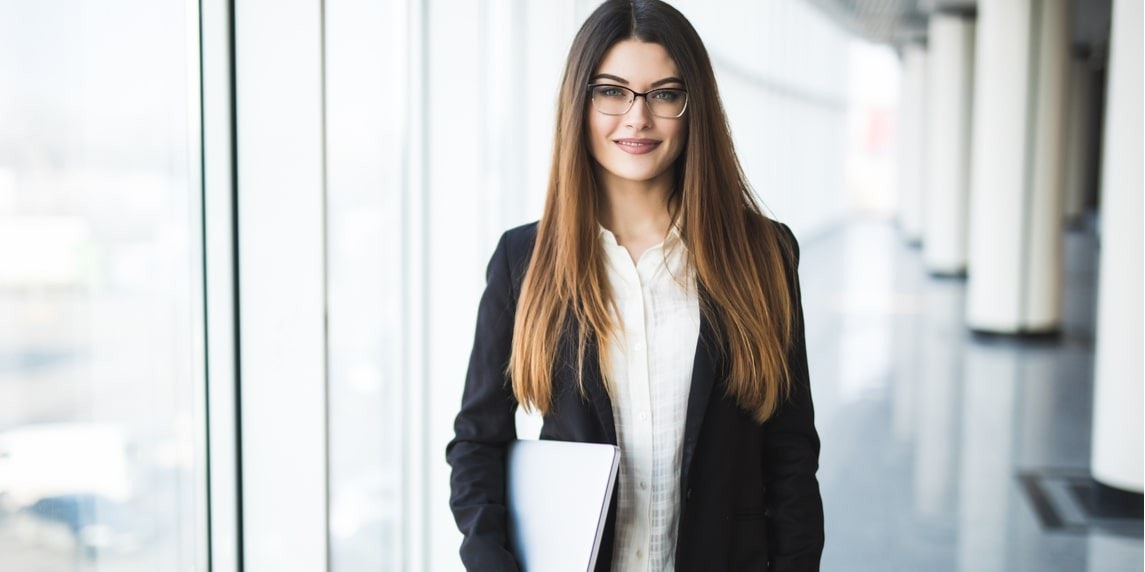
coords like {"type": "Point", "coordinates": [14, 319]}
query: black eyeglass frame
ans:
{"type": "Point", "coordinates": [636, 94]}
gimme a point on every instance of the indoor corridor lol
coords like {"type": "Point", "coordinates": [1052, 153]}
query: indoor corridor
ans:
{"type": "Point", "coordinates": [944, 449]}
{"type": "Point", "coordinates": [243, 246]}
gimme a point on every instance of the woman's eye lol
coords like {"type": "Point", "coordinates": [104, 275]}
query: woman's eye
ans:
{"type": "Point", "coordinates": [611, 92]}
{"type": "Point", "coordinates": [666, 95]}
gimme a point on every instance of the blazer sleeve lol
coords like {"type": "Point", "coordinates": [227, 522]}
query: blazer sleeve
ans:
{"type": "Point", "coordinates": [484, 427]}
{"type": "Point", "coordinates": [791, 453]}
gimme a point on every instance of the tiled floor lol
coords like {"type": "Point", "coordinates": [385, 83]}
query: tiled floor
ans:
{"type": "Point", "coordinates": [927, 427]}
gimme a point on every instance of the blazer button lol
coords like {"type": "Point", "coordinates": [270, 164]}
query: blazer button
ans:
{"type": "Point", "coordinates": [689, 494]}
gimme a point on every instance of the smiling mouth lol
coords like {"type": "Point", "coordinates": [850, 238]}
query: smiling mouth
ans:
{"type": "Point", "coordinates": [637, 146]}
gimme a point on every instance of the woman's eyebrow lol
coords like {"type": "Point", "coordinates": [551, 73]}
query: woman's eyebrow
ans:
{"type": "Point", "coordinates": [666, 81]}
{"type": "Point", "coordinates": [623, 81]}
{"type": "Point", "coordinates": [611, 77]}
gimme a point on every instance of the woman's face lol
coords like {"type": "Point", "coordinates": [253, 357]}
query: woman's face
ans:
{"type": "Point", "coordinates": [636, 146]}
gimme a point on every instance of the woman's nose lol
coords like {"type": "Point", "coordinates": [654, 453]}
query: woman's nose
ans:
{"type": "Point", "coordinates": [639, 113]}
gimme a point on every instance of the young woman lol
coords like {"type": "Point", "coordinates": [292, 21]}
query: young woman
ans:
{"type": "Point", "coordinates": [653, 307]}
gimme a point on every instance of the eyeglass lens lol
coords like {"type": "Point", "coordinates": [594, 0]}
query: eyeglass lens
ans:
{"type": "Point", "coordinates": [617, 100]}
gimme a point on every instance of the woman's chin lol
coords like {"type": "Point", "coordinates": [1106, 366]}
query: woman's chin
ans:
{"type": "Point", "coordinates": [640, 174]}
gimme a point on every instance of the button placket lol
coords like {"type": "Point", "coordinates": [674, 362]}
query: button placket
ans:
{"type": "Point", "coordinates": [647, 349]}
{"type": "Point", "coordinates": [642, 400]}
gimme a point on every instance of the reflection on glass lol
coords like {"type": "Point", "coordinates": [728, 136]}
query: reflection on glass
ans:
{"type": "Point", "coordinates": [1109, 552]}
{"type": "Point", "coordinates": [907, 341]}
{"type": "Point", "coordinates": [865, 345]}
{"type": "Point", "coordinates": [100, 288]}
{"type": "Point", "coordinates": [939, 390]}
{"type": "Point", "coordinates": [364, 114]}
{"type": "Point", "coordinates": [990, 375]}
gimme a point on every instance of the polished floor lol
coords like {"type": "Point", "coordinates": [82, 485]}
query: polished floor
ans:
{"type": "Point", "coordinates": [938, 443]}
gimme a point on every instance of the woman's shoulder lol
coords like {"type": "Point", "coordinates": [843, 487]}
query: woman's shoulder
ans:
{"type": "Point", "coordinates": [521, 236]}
{"type": "Point", "coordinates": [780, 228]}
{"type": "Point", "coordinates": [512, 255]}
{"type": "Point", "coordinates": [784, 238]}
{"type": "Point", "coordinates": [517, 243]}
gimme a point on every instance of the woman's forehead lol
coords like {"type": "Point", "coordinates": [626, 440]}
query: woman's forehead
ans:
{"type": "Point", "coordinates": [638, 63]}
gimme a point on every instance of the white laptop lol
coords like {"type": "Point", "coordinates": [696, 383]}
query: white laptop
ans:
{"type": "Point", "coordinates": [558, 497]}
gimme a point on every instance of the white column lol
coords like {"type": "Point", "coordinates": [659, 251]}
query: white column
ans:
{"type": "Point", "coordinates": [1117, 402]}
{"type": "Point", "coordinates": [949, 97]}
{"type": "Point", "coordinates": [1042, 288]}
{"type": "Point", "coordinates": [997, 179]}
{"type": "Point", "coordinates": [1078, 144]}
{"type": "Point", "coordinates": [1016, 180]}
{"type": "Point", "coordinates": [912, 156]}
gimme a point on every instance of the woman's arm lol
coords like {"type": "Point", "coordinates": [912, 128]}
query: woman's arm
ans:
{"type": "Point", "coordinates": [791, 454]}
{"type": "Point", "coordinates": [484, 426]}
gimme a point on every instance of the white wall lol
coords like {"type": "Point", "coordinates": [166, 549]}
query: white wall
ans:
{"type": "Point", "coordinates": [781, 67]}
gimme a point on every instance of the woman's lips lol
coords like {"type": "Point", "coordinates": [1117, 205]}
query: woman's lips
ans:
{"type": "Point", "coordinates": [637, 146]}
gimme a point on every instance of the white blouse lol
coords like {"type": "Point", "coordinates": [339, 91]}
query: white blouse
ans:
{"type": "Point", "coordinates": [651, 370]}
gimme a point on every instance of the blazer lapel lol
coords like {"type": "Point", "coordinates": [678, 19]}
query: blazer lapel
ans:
{"type": "Point", "coordinates": [598, 395]}
{"type": "Point", "coordinates": [703, 380]}
{"type": "Point", "coordinates": [593, 379]}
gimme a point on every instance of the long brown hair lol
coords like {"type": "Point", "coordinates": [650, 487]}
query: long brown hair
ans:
{"type": "Point", "coordinates": [734, 249]}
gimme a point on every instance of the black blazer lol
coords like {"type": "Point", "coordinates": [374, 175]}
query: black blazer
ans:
{"type": "Point", "coordinates": [749, 499]}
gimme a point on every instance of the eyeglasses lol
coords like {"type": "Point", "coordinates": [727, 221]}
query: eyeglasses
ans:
{"type": "Point", "coordinates": [668, 103]}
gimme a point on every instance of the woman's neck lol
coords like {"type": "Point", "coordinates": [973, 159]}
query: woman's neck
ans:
{"type": "Point", "coordinates": [636, 213]}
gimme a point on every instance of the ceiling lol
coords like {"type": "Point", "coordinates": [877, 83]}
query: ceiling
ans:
{"type": "Point", "coordinates": [896, 22]}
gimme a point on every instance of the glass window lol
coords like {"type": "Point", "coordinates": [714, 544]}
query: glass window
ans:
{"type": "Point", "coordinates": [366, 116]}
{"type": "Point", "coordinates": [101, 322]}
{"type": "Point", "coordinates": [420, 184]}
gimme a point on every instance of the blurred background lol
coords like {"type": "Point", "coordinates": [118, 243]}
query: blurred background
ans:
{"type": "Point", "coordinates": [242, 245]}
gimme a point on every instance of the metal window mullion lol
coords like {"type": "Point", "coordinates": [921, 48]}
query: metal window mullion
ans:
{"type": "Point", "coordinates": [414, 539]}
{"type": "Point", "coordinates": [224, 516]}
